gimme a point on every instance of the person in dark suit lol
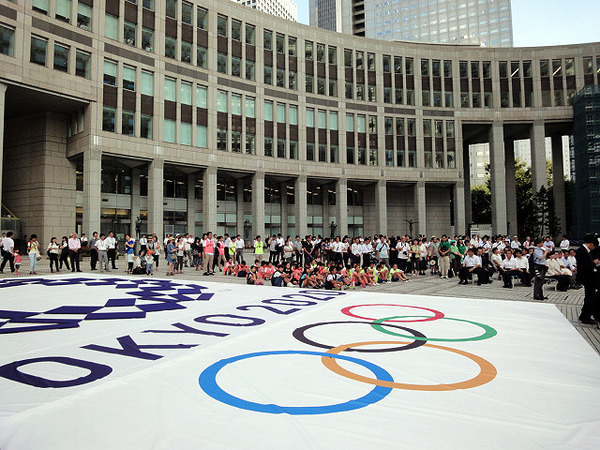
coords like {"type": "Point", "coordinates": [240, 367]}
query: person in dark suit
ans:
{"type": "Point", "coordinates": [586, 268]}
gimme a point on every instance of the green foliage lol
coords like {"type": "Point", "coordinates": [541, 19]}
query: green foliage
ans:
{"type": "Point", "coordinates": [481, 200]}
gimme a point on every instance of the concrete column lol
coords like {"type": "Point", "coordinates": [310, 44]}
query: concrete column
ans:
{"type": "Point", "coordinates": [191, 204]}
{"type": "Point", "coordinates": [341, 206]}
{"type": "Point", "coordinates": [301, 205]}
{"type": "Point", "coordinates": [467, 183]}
{"type": "Point", "coordinates": [155, 197]}
{"type": "Point", "coordinates": [92, 201]}
{"type": "Point", "coordinates": [381, 206]}
{"type": "Point", "coordinates": [538, 156]}
{"type": "Point", "coordinates": [421, 207]}
{"type": "Point", "coordinates": [325, 210]}
{"type": "Point", "coordinates": [2, 115]}
{"type": "Point", "coordinates": [239, 207]}
{"type": "Point", "coordinates": [258, 204]}
{"type": "Point", "coordinates": [284, 209]}
{"type": "Point", "coordinates": [209, 200]}
{"type": "Point", "coordinates": [498, 178]}
{"type": "Point", "coordinates": [135, 202]}
{"type": "Point", "coordinates": [511, 188]}
{"type": "Point", "coordinates": [459, 208]}
{"type": "Point", "coordinates": [558, 182]}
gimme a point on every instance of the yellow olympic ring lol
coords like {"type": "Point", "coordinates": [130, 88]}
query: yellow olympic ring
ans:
{"type": "Point", "coordinates": [487, 372]}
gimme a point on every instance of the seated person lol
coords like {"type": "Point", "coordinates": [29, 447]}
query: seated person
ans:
{"type": "Point", "coordinates": [472, 265]}
{"type": "Point", "coordinates": [508, 269]}
{"type": "Point", "coordinates": [397, 274]}
{"type": "Point", "coordinates": [523, 268]}
{"type": "Point", "coordinates": [562, 275]}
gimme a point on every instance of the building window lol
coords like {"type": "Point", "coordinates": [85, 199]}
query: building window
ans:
{"type": "Point", "coordinates": [186, 12]}
{"type": "Point", "coordinates": [84, 16]}
{"type": "Point", "coordinates": [201, 92]}
{"type": "Point", "coordinates": [171, 9]}
{"type": "Point", "coordinates": [170, 47]}
{"type": "Point", "coordinates": [310, 117]}
{"type": "Point", "coordinates": [186, 52]}
{"type": "Point", "coordinates": [38, 50]}
{"type": "Point", "coordinates": [308, 50]}
{"type": "Point", "coordinates": [7, 40]}
{"type": "Point", "coordinates": [201, 57]}
{"type": "Point", "coordinates": [185, 93]}
{"type": "Point", "coordinates": [281, 148]}
{"type": "Point", "coordinates": [236, 66]}
{"type": "Point", "coordinates": [61, 58]}
{"type": "Point", "coordinates": [82, 64]}
{"type": "Point", "coordinates": [110, 73]}
{"type": "Point", "coordinates": [236, 104]}
{"type": "Point", "coordinates": [293, 149]}
{"type": "Point", "coordinates": [40, 6]}
{"type": "Point", "coordinates": [310, 151]}
{"type": "Point", "coordinates": [292, 46]}
{"type": "Point", "coordinates": [250, 144]}
{"type": "Point", "coordinates": [268, 150]}
{"type": "Point", "coordinates": [222, 105]}
{"type": "Point", "coordinates": [268, 111]}
{"type": "Point", "coordinates": [202, 18]}
{"type": "Point", "coordinates": [268, 40]}
{"type": "Point", "coordinates": [280, 77]}
{"type": "Point", "coordinates": [129, 78]}
{"type": "Point", "coordinates": [280, 43]}
{"type": "Point", "coordinates": [221, 63]}
{"type": "Point", "coordinates": [170, 89]}
{"type": "Point", "coordinates": [146, 126]}
{"type": "Point", "coordinates": [128, 123]}
{"type": "Point", "coordinates": [268, 75]}
{"type": "Point", "coordinates": [170, 128]}
{"type": "Point", "coordinates": [111, 26]}
{"type": "Point", "coordinates": [250, 34]}
{"type": "Point", "coordinates": [148, 4]}
{"type": "Point", "coordinates": [250, 109]}
{"type": "Point", "coordinates": [201, 136]}
{"type": "Point", "coordinates": [250, 72]}
{"type": "Point", "coordinates": [321, 53]}
{"type": "Point", "coordinates": [129, 33]}
{"type": "Point", "coordinates": [108, 119]}
{"type": "Point", "coordinates": [63, 10]}
{"type": "Point", "coordinates": [185, 131]}
{"type": "Point", "coordinates": [221, 25]}
{"type": "Point", "coordinates": [148, 39]}
{"type": "Point", "coordinates": [236, 142]}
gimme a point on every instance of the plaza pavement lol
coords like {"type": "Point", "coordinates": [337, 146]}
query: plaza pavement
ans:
{"type": "Point", "coordinates": [569, 303]}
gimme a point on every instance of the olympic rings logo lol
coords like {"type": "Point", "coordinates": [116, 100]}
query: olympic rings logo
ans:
{"type": "Point", "coordinates": [382, 381]}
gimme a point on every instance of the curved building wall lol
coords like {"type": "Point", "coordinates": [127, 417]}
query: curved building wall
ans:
{"type": "Point", "coordinates": [219, 95]}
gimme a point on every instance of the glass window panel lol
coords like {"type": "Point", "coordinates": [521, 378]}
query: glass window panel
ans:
{"type": "Point", "coordinates": [308, 50]}
{"type": "Point", "coordinates": [186, 12]}
{"type": "Point", "coordinates": [129, 33]}
{"type": "Point", "coordinates": [350, 122]}
{"type": "Point", "coordinates": [347, 58]}
{"type": "Point", "coordinates": [170, 47]}
{"type": "Point", "coordinates": [268, 110]}
{"type": "Point", "coordinates": [201, 136]}
{"type": "Point", "coordinates": [7, 40]}
{"type": "Point", "coordinates": [236, 66]}
{"type": "Point", "coordinates": [398, 64]}
{"type": "Point", "coordinates": [38, 51]}
{"type": "Point", "coordinates": [236, 30]}
{"type": "Point", "coordinates": [221, 62]}
{"type": "Point", "coordinates": [268, 40]}
{"type": "Point", "coordinates": [201, 92]}
{"type": "Point", "coordinates": [170, 89]}
{"type": "Point", "coordinates": [185, 131]}
{"type": "Point", "coordinates": [82, 64]}
{"type": "Point", "coordinates": [250, 34]}
{"type": "Point", "coordinates": [148, 39]}
{"type": "Point", "coordinates": [222, 25]}
{"type": "Point", "coordinates": [292, 46]}
{"type": "Point", "coordinates": [310, 117]}
{"type": "Point", "coordinates": [63, 10]}
{"type": "Point", "coordinates": [332, 55]}
{"type": "Point", "coordinates": [186, 52]}
{"type": "Point", "coordinates": [146, 126]}
{"type": "Point", "coordinates": [236, 104]}
{"type": "Point", "coordinates": [128, 123]}
{"type": "Point", "coordinates": [222, 101]}
{"type": "Point", "coordinates": [361, 124]}
{"type": "Point", "coordinates": [171, 9]}
{"type": "Point", "coordinates": [322, 118]}
{"type": "Point", "coordinates": [201, 56]}
{"type": "Point", "coordinates": [544, 68]}
{"type": "Point", "coordinates": [61, 58]}
{"type": "Point", "coordinates": [108, 119]}
{"type": "Point", "coordinates": [186, 93]}
{"type": "Point", "coordinates": [280, 43]}
{"type": "Point", "coordinates": [40, 5]}
{"type": "Point", "coordinates": [84, 16]}
{"type": "Point", "coordinates": [129, 78]}
{"type": "Point", "coordinates": [333, 120]}
{"type": "Point", "coordinates": [147, 83]}
{"type": "Point", "coordinates": [268, 75]}
{"type": "Point", "coordinates": [321, 53]}
{"type": "Point", "coordinates": [169, 131]}
{"type": "Point", "coordinates": [111, 26]}
{"type": "Point", "coordinates": [202, 18]}
{"type": "Point", "coordinates": [250, 72]}
{"type": "Point", "coordinates": [110, 72]}
{"type": "Point", "coordinates": [293, 113]}
{"type": "Point", "coordinates": [250, 107]}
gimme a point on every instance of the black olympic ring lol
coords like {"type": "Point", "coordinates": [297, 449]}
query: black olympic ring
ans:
{"type": "Point", "coordinates": [299, 333]}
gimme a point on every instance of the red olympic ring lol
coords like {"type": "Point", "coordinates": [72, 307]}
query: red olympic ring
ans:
{"type": "Point", "coordinates": [437, 314]}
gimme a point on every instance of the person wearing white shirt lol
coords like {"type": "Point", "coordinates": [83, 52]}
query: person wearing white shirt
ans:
{"type": "Point", "coordinates": [472, 265]}
{"type": "Point", "coordinates": [366, 253]}
{"type": "Point", "coordinates": [143, 243]}
{"type": "Point", "coordinates": [112, 249]}
{"type": "Point", "coordinates": [102, 247]}
{"type": "Point", "coordinates": [336, 250]}
{"type": "Point", "coordinates": [523, 268]}
{"type": "Point", "coordinates": [515, 244]}
{"type": "Point", "coordinates": [239, 249]}
{"type": "Point", "coordinates": [403, 247]}
{"type": "Point", "coordinates": [8, 249]}
{"type": "Point", "coordinates": [564, 244]}
{"type": "Point", "coordinates": [508, 269]}
{"type": "Point", "coordinates": [355, 251]}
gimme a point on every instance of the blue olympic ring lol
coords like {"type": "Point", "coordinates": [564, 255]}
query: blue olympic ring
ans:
{"type": "Point", "coordinates": [208, 383]}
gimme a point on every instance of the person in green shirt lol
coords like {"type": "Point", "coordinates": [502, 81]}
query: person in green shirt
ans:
{"type": "Point", "coordinates": [455, 257]}
{"type": "Point", "coordinates": [444, 256]}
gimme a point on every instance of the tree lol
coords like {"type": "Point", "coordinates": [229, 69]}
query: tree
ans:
{"type": "Point", "coordinates": [481, 202]}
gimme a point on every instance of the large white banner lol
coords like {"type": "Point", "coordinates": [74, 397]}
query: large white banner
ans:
{"type": "Point", "coordinates": [120, 362]}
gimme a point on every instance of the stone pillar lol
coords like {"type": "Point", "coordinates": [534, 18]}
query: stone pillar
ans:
{"type": "Point", "coordinates": [341, 206]}
{"type": "Point", "coordinates": [92, 201]}
{"type": "Point", "coordinates": [459, 208]}
{"type": "Point", "coordinates": [239, 207]}
{"type": "Point", "coordinates": [301, 205]}
{"type": "Point", "coordinates": [381, 207]}
{"type": "Point", "coordinates": [258, 204]}
{"type": "Point", "coordinates": [155, 197]}
{"type": "Point", "coordinates": [467, 186]}
{"type": "Point", "coordinates": [421, 208]}
{"type": "Point", "coordinates": [558, 182]}
{"type": "Point", "coordinates": [284, 208]}
{"type": "Point", "coordinates": [209, 200]}
{"type": "Point", "coordinates": [498, 178]}
{"type": "Point", "coordinates": [538, 156]}
{"type": "Point", "coordinates": [191, 204]}
{"type": "Point", "coordinates": [511, 188]}
{"type": "Point", "coordinates": [2, 115]}
{"type": "Point", "coordinates": [135, 204]}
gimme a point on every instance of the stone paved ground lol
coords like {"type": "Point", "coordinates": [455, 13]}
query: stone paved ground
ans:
{"type": "Point", "coordinates": [569, 303]}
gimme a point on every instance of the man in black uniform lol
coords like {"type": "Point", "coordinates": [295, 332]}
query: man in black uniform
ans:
{"type": "Point", "coordinates": [586, 276]}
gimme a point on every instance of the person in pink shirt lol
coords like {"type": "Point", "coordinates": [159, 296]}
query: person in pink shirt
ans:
{"type": "Point", "coordinates": [208, 245]}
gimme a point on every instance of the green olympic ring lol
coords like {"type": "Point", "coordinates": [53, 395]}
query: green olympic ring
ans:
{"type": "Point", "coordinates": [489, 332]}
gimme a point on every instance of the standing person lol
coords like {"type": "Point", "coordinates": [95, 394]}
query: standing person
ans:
{"type": "Point", "coordinates": [288, 250]}
{"type": "Point", "coordinates": [143, 243]}
{"type": "Point", "coordinates": [444, 256]}
{"type": "Point", "coordinates": [239, 249]}
{"type": "Point", "coordinates": [273, 250]}
{"type": "Point", "coordinates": [208, 245]}
{"type": "Point", "coordinates": [227, 243]}
{"type": "Point", "coordinates": [586, 276]}
{"type": "Point", "coordinates": [258, 249]}
{"type": "Point", "coordinates": [93, 251]}
{"type": "Point", "coordinates": [33, 250]}
{"type": "Point", "coordinates": [187, 248]}
{"type": "Point", "coordinates": [64, 252]}
{"type": "Point", "coordinates": [298, 249]}
{"type": "Point", "coordinates": [53, 254]}
{"type": "Point", "coordinates": [220, 253]}
{"type": "Point", "coordinates": [180, 243]}
{"type": "Point", "coordinates": [129, 251]}
{"type": "Point", "coordinates": [112, 249]}
{"type": "Point", "coordinates": [8, 251]}
{"type": "Point", "coordinates": [382, 249]}
{"type": "Point", "coordinates": [432, 253]}
{"type": "Point", "coordinates": [171, 255]}
{"type": "Point", "coordinates": [84, 241]}
{"type": "Point", "coordinates": [74, 252]}
{"type": "Point", "coordinates": [156, 248]}
{"type": "Point", "coordinates": [539, 265]}
{"type": "Point", "coordinates": [102, 249]}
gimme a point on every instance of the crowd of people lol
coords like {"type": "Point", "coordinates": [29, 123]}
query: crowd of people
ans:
{"type": "Point", "coordinates": [331, 263]}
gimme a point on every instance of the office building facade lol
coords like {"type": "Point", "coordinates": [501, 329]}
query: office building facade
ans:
{"type": "Point", "coordinates": [286, 9]}
{"type": "Point", "coordinates": [208, 116]}
{"type": "Point", "coordinates": [477, 22]}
